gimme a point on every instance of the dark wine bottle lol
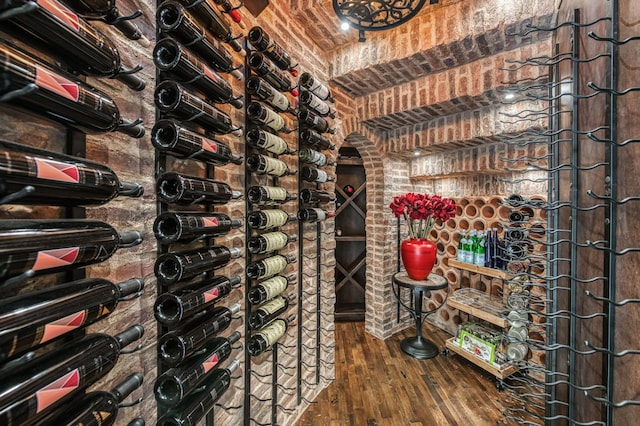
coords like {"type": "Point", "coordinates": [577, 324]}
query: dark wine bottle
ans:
{"type": "Point", "coordinates": [515, 200]}
{"type": "Point", "coordinates": [213, 21]}
{"type": "Point", "coordinates": [268, 289]}
{"type": "Point", "coordinates": [37, 388]}
{"type": "Point", "coordinates": [265, 92]}
{"type": "Point", "coordinates": [95, 408]}
{"type": "Point", "coordinates": [312, 196]}
{"type": "Point", "coordinates": [228, 8]}
{"type": "Point", "coordinates": [181, 65]}
{"type": "Point", "coordinates": [316, 140]}
{"type": "Point", "coordinates": [314, 121]}
{"type": "Point", "coordinates": [263, 165]}
{"type": "Point", "coordinates": [314, 215]}
{"type": "Point", "coordinates": [268, 195]}
{"type": "Point", "coordinates": [172, 308]}
{"type": "Point", "coordinates": [176, 346]}
{"type": "Point", "coordinates": [40, 88]}
{"type": "Point", "coordinates": [311, 174]}
{"type": "Point", "coordinates": [57, 179]}
{"type": "Point", "coordinates": [180, 189]}
{"type": "Point", "coordinates": [518, 217]}
{"type": "Point", "coordinates": [176, 384]}
{"type": "Point", "coordinates": [172, 19]}
{"type": "Point", "coordinates": [314, 86]}
{"type": "Point", "coordinates": [516, 234]}
{"type": "Point", "coordinates": [171, 268]}
{"type": "Point", "coordinates": [271, 241]}
{"type": "Point", "coordinates": [32, 319]}
{"type": "Point", "coordinates": [270, 266]}
{"type": "Point", "coordinates": [72, 39]}
{"type": "Point", "coordinates": [171, 227]}
{"type": "Point", "coordinates": [191, 411]}
{"type": "Point", "coordinates": [173, 99]}
{"type": "Point", "coordinates": [268, 336]}
{"type": "Point", "coordinates": [264, 43]}
{"type": "Point", "coordinates": [106, 11]}
{"type": "Point", "coordinates": [269, 219]}
{"type": "Point", "coordinates": [313, 102]}
{"type": "Point", "coordinates": [265, 69]}
{"type": "Point", "coordinates": [54, 245]}
{"type": "Point", "coordinates": [270, 143]}
{"type": "Point", "coordinates": [267, 312]}
{"type": "Point", "coordinates": [138, 421]}
{"type": "Point", "coordinates": [311, 156]}
{"type": "Point", "coordinates": [169, 136]}
{"type": "Point", "coordinates": [260, 114]}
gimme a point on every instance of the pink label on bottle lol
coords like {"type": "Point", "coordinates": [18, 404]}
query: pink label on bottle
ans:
{"type": "Point", "coordinates": [53, 170]}
{"type": "Point", "coordinates": [210, 362]}
{"type": "Point", "coordinates": [210, 221]}
{"type": "Point", "coordinates": [209, 146]}
{"type": "Point", "coordinates": [211, 295]}
{"type": "Point", "coordinates": [210, 74]}
{"type": "Point", "coordinates": [63, 325]}
{"type": "Point", "coordinates": [48, 259]}
{"type": "Point", "coordinates": [53, 392]}
{"type": "Point", "coordinates": [57, 84]}
{"type": "Point", "coordinates": [61, 12]}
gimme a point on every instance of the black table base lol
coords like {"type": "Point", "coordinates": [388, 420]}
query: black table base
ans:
{"type": "Point", "coordinates": [419, 347]}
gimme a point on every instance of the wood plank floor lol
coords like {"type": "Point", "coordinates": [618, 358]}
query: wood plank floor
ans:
{"type": "Point", "coordinates": [379, 385]}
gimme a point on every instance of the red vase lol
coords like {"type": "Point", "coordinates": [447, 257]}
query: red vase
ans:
{"type": "Point", "coordinates": [418, 257]}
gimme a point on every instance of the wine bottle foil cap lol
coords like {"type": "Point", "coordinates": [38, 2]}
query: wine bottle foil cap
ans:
{"type": "Point", "coordinates": [235, 308]}
{"type": "Point", "coordinates": [234, 337]}
{"type": "Point", "coordinates": [235, 253]}
{"type": "Point", "coordinates": [233, 366]}
{"type": "Point", "coordinates": [236, 195]}
{"type": "Point", "coordinates": [235, 280]}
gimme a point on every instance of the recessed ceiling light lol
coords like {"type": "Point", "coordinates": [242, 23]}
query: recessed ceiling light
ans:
{"type": "Point", "coordinates": [509, 96]}
{"type": "Point", "coordinates": [344, 26]}
{"type": "Point", "coordinates": [416, 153]}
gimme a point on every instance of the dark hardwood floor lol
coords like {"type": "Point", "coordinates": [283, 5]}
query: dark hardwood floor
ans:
{"type": "Point", "coordinates": [379, 385]}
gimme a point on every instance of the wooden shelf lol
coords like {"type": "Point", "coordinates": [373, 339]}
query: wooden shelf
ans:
{"type": "Point", "coordinates": [501, 373]}
{"type": "Point", "coordinates": [351, 238]}
{"type": "Point", "coordinates": [490, 272]}
{"type": "Point", "coordinates": [481, 305]}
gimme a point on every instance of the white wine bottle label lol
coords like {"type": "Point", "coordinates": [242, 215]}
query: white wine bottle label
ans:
{"type": "Point", "coordinates": [273, 305]}
{"type": "Point", "coordinates": [275, 218]}
{"type": "Point", "coordinates": [321, 214]}
{"type": "Point", "coordinates": [276, 193]}
{"type": "Point", "coordinates": [280, 101]}
{"type": "Point", "coordinates": [274, 167]}
{"type": "Point", "coordinates": [319, 106]}
{"type": "Point", "coordinates": [274, 286]}
{"type": "Point", "coordinates": [274, 265]}
{"type": "Point", "coordinates": [275, 240]}
{"type": "Point", "coordinates": [273, 143]}
{"type": "Point", "coordinates": [312, 156]}
{"type": "Point", "coordinates": [322, 176]}
{"type": "Point", "coordinates": [273, 120]}
{"type": "Point", "coordinates": [274, 331]}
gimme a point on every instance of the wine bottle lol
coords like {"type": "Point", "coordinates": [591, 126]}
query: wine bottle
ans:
{"type": "Point", "coordinates": [233, 12]}
{"type": "Point", "coordinates": [515, 200]}
{"type": "Point", "coordinates": [268, 219]}
{"type": "Point", "coordinates": [260, 114]}
{"type": "Point", "coordinates": [176, 346]}
{"type": "Point", "coordinates": [172, 308]}
{"type": "Point", "coordinates": [171, 98]}
{"type": "Point", "coordinates": [47, 381]}
{"type": "Point", "coordinates": [316, 140]}
{"type": "Point", "coordinates": [258, 87]}
{"type": "Point", "coordinates": [58, 179]}
{"type": "Point", "coordinates": [169, 136]}
{"type": "Point", "coordinates": [314, 86]}
{"type": "Point", "coordinates": [181, 65]}
{"type": "Point", "coordinates": [516, 234]}
{"type": "Point", "coordinates": [40, 88]}
{"type": "Point", "coordinates": [268, 289]}
{"type": "Point", "coordinates": [265, 140]}
{"type": "Point", "coordinates": [313, 102]}
{"type": "Point", "coordinates": [191, 411]}
{"type": "Point", "coordinates": [462, 246]}
{"type": "Point", "coordinates": [312, 196]}
{"type": "Point", "coordinates": [106, 11]}
{"type": "Point", "coordinates": [176, 384]}
{"type": "Point", "coordinates": [268, 311]}
{"type": "Point", "coordinates": [32, 319]}
{"type": "Point", "coordinates": [265, 69]}
{"type": "Point", "coordinates": [171, 227]}
{"type": "Point", "coordinates": [271, 241]}
{"type": "Point", "coordinates": [68, 36]}
{"type": "Point", "coordinates": [172, 19]}
{"type": "Point", "coordinates": [171, 268]}
{"type": "Point", "coordinates": [95, 408]}
{"type": "Point", "coordinates": [270, 266]}
{"type": "Point", "coordinates": [488, 253]}
{"type": "Point", "coordinates": [264, 165]}
{"type": "Point", "coordinates": [54, 245]}
{"type": "Point", "coordinates": [268, 336]}
{"type": "Point", "coordinates": [263, 42]}
{"type": "Point", "coordinates": [314, 215]}
{"type": "Point", "coordinates": [138, 421]}
{"type": "Point", "coordinates": [314, 121]}
{"type": "Point", "coordinates": [180, 189]}
{"type": "Point", "coordinates": [214, 21]}
{"type": "Point", "coordinates": [268, 195]}
{"type": "Point", "coordinates": [311, 174]}
{"type": "Point", "coordinates": [311, 156]}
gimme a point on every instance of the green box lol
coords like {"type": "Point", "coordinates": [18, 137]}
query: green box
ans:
{"type": "Point", "coordinates": [484, 350]}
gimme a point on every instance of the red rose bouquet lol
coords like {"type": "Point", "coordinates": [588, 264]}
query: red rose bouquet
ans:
{"type": "Point", "coordinates": [421, 211]}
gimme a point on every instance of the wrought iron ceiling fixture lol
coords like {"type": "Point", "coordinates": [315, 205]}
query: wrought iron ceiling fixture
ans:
{"type": "Point", "coordinates": [377, 15]}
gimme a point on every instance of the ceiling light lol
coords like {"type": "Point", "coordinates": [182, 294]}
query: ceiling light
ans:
{"type": "Point", "coordinates": [509, 96]}
{"type": "Point", "coordinates": [416, 153]}
{"type": "Point", "coordinates": [344, 26]}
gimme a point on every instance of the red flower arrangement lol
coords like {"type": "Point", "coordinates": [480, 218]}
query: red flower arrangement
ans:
{"type": "Point", "coordinates": [421, 211]}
